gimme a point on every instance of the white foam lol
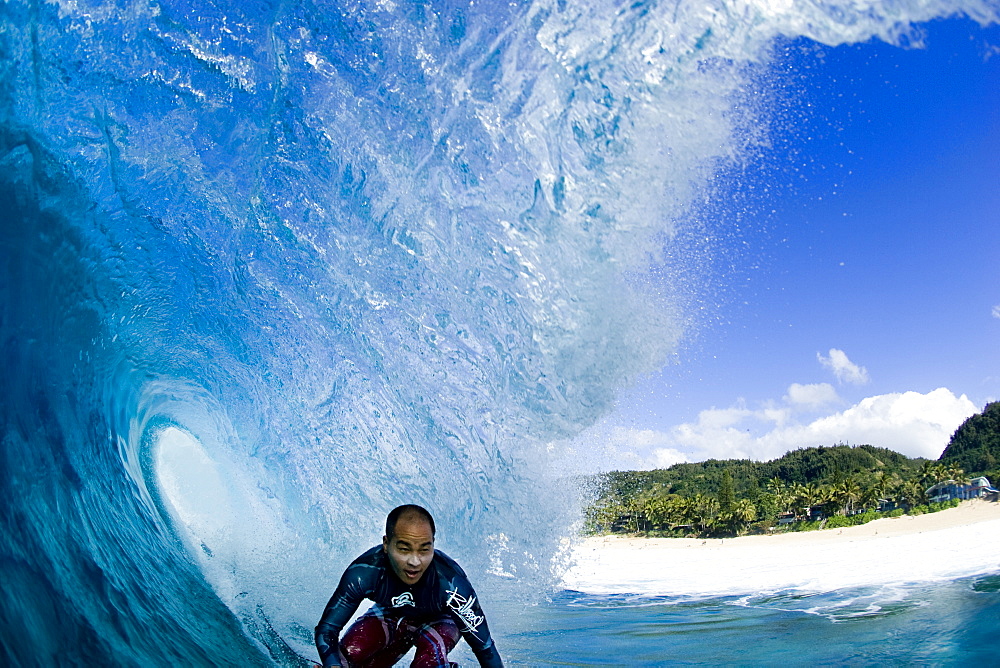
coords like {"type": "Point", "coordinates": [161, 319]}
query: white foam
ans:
{"type": "Point", "coordinates": [192, 487]}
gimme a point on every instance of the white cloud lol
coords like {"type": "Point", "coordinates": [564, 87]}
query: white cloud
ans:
{"type": "Point", "coordinates": [996, 311]}
{"type": "Point", "coordinates": [813, 396]}
{"type": "Point", "coordinates": [914, 424]}
{"type": "Point", "coordinates": [917, 425]}
{"type": "Point", "coordinates": [844, 369]}
{"type": "Point", "coordinates": [666, 457]}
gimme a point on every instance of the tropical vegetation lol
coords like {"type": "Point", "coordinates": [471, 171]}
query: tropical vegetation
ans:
{"type": "Point", "coordinates": [808, 488]}
{"type": "Point", "coordinates": [975, 446]}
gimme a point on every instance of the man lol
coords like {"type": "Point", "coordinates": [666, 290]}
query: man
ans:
{"type": "Point", "coordinates": [422, 598]}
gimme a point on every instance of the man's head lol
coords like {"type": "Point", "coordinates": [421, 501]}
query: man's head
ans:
{"type": "Point", "coordinates": [409, 542]}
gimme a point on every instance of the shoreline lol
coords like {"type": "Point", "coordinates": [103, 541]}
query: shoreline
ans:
{"type": "Point", "coordinates": [967, 513]}
{"type": "Point", "coordinates": [948, 544]}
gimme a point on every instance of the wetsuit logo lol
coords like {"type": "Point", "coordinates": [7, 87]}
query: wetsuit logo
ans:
{"type": "Point", "coordinates": [406, 598]}
{"type": "Point", "coordinates": [463, 607]}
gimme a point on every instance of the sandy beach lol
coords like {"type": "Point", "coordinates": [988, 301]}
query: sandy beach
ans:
{"type": "Point", "coordinates": [947, 544]}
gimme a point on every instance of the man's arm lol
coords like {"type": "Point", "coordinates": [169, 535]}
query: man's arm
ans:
{"type": "Point", "coordinates": [489, 657]}
{"type": "Point", "coordinates": [354, 586]}
{"type": "Point", "coordinates": [463, 604]}
{"type": "Point", "coordinates": [328, 630]}
{"type": "Point", "coordinates": [328, 645]}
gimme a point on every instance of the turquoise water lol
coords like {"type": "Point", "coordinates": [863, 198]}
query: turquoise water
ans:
{"type": "Point", "coordinates": [944, 625]}
{"type": "Point", "coordinates": [271, 269]}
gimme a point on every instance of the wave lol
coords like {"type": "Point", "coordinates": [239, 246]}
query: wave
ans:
{"type": "Point", "coordinates": [269, 270]}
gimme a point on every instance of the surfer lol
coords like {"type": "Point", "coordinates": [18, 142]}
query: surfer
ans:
{"type": "Point", "coordinates": [422, 598]}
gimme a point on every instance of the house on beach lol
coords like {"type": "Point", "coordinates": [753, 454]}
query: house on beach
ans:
{"type": "Point", "coordinates": [951, 489]}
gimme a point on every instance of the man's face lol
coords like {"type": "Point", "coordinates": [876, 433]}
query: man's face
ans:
{"type": "Point", "coordinates": [410, 548]}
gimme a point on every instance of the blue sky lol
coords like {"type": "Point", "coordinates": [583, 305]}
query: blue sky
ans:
{"type": "Point", "coordinates": [865, 307]}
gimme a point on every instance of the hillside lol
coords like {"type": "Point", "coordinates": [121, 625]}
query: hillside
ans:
{"type": "Point", "coordinates": [975, 446]}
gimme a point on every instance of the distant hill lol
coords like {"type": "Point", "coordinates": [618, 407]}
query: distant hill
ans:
{"type": "Point", "coordinates": [975, 446]}
{"type": "Point", "coordinates": [804, 466]}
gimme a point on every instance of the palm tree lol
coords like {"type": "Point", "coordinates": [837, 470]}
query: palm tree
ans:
{"type": "Point", "coordinates": [680, 511]}
{"type": "Point", "coordinates": [826, 499]}
{"type": "Point", "coordinates": [816, 495]}
{"type": "Point", "coordinates": [954, 472]}
{"type": "Point", "coordinates": [651, 506]}
{"type": "Point", "coordinates": [911, 494]}
{"type": "Point", "coordinates": [704, 512]}
{"type": "Point", "coordinates": [883, 483]}
{"type": "Point", "coordinates": [743, 515]}
{"type": "Point", "coordinates": [870, 497]}
{"type": "Point", "coordinates": [847, 493]}
{"type": "Point", "coordinates": [798, 495]}
{"type": "Point", "coordinates": [776, 486]}
{"type": "Point", "coordinates": [606, 513]}
{"type": "Point", "coordinates": [665, 510]}
{"type": "Point", "coordinates": [933, 472]}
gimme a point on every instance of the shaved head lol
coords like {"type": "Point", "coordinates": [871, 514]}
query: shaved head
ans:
{"type": "Point", "coordinates": [408, 510]}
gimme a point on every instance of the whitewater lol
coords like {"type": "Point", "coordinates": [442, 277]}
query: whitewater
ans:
{"type": "Point", "coordinates": [270, 269]}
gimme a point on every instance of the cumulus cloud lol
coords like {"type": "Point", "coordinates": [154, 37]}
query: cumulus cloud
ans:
{"type": "Point", "coordinates": [844, 369]}
{"type": "Point", "coordinates": [816, 395]}
{"type": "Point", "coordinates": [914, 424]}
{"type": "Point", "coordinates": [664, 458]}
{"type": "Point", "coordinates": [917, 425]}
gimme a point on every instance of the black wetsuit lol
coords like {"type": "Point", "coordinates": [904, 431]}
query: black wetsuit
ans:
{"type": "Point", "coordinates": [443, 589]}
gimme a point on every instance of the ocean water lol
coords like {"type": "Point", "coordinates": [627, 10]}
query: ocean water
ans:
{"type": "Point", "coordinates": [270, 269]}
{"type": "Point", "coordinates": [946, 624]}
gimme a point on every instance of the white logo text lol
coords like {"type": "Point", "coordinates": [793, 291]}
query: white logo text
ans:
{"type": "Point", "coordinates": [463, 607]}
{"type": "Point", "coordinates": [406, 598]}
